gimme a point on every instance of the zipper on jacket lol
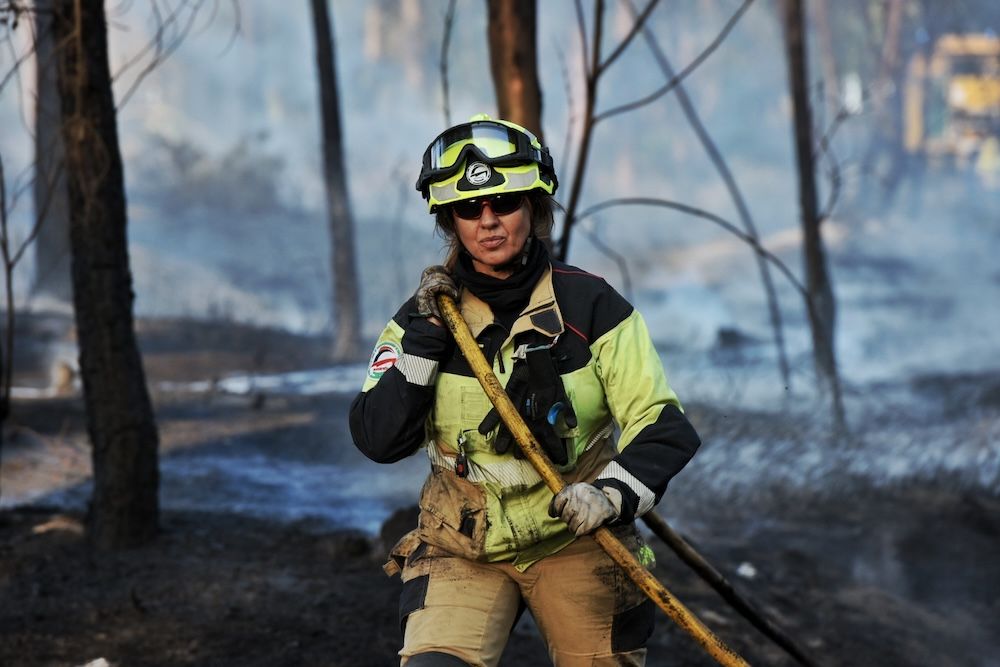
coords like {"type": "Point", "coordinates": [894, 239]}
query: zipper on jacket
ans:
{"type": "Point", "coordinates": [503, 341]}
{"type": "Point", "coordinates": [601, 433]}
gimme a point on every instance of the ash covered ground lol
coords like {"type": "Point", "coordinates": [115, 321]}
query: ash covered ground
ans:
{"type": "Point", "coordinates": [881, 547]}
{"type": "Point", "coordinates": [271, 547]}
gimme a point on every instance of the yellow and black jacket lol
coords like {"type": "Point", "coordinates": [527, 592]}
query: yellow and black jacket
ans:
{"type": "Point", "coordinates": [420, 392]}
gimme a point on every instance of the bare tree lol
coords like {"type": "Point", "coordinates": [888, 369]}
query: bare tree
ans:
{"type": "Point", "coordinates": [52, 255]}
{"type": "Point", "coordinates": [822, 310]}
{"type": "Point", "coordinates": [818, 293]}
{"type": "Point", "coordinates": [52, 196]}
{"type": "Point", "coordinates": [594, 67]}
{"type": "Point", "coordinates": [694, 120]}
{"type": "Point", "coordinates": [813, 294]}
{"type": "Point", "coordinates": [124, 509]}
{"type": "Point", "coordinates": [449, 22]}
{"type": "Point", "coordinates": [346, 302]}
{"type": "Point", "coordinates": [5, 357]}
{"type": "Point", "coordinates": [827, 57]}
{"type": "Point", "coordinates": [11, 252]}
{"type": "Point", "coordinates": [513, 41]}
{"type": "Point", "coordinates": [884, 155]}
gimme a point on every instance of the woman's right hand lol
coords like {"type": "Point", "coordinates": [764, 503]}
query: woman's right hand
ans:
{"type": "Point", "coordinates": [433, 281]}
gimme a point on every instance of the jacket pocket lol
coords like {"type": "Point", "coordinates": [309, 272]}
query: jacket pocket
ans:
{"type": "Point", "coordinates": [453, 514]}
{"type": "Point", "coordinates": [401, 552]}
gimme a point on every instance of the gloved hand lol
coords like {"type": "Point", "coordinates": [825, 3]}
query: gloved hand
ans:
{"type": "Point", "coordinates": [433, 281]}
{"type": "Point", "coordinates": [585, 507]}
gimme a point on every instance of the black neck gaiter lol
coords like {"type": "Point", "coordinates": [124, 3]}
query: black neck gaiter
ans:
{"type": "Point", "coordinates": [506, 296]}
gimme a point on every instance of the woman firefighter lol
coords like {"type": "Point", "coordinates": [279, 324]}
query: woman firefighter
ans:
{"type": "Point", "coordinates": [577, 360]}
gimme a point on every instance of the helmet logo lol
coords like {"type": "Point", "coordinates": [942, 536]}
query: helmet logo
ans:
{"type": "Point", "coordinates": [478, 173]}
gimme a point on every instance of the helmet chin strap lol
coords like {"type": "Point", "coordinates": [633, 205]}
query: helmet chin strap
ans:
{"type": "Point", "coordinates": [515, 264]}
{"type": "Point", "coordinates": [518, 262]}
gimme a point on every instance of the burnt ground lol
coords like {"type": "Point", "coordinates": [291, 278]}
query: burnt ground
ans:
{"type": "Point", "coordinates": [901, 575]}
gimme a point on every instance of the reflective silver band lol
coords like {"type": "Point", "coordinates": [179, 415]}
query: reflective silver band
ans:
{"type": "Point", "coordinates": [646, 497]}
{"type": "Point", "coordinates": [509, 473]}
{"type": "Point", "coordinates": [418, 370]}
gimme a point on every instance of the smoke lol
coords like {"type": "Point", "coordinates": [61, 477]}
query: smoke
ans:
{"type": "Point", "coordinates": [222, 150]}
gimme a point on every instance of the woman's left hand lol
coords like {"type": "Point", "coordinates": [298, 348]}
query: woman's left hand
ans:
{"type": "Point", "coordinates": [585, 507]}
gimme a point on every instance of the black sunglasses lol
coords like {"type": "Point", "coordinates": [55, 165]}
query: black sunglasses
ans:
{"type": "Point", "coordinates": [502, 204]}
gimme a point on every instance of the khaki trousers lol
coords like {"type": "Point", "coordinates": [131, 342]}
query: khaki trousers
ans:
{"type": "Point", "coordinates": [588, 611]}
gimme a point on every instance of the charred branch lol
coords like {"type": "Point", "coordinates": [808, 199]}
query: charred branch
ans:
{"type": "Point", "coordinates": [687, 106]}
{"type": "Point", "coordinates": [593, 72]}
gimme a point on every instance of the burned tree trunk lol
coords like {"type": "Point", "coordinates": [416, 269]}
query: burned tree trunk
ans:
{"type": "Point", "coordinates": [346, 302]}
{"type": "Point", "coordinates": [827, 58]}
{"type": "Point", "coordinates": [512, 37]}
{"type": "Point", "coordinates": [124, 508]}
{"type": "Point", "coordinates": [884, 156]}
{"type": "Point", "coordinates": [52, 254]}
{"type": "Point", "coordinates": [822, 307]}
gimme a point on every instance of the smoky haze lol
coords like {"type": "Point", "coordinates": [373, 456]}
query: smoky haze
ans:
{"type": "Point", "coordinates": [222, 152]}
{"type": "Point", "coordinates": [221, 142]}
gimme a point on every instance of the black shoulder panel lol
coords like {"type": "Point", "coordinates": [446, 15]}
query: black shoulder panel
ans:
{"type": "Point", "coordinates": [403, 315]}
{"type": "Point", "coordinates": [590, 306]}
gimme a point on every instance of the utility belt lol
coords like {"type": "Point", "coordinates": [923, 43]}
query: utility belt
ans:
{"type": "Point", "coordinates": [463, 516]}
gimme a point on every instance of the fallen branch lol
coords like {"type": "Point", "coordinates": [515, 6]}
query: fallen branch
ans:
{"type": "Point", "coordinates": [721, 585]}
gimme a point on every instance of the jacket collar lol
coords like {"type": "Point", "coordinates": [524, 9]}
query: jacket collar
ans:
{"type": "Point", "coordinates": [541, 313]}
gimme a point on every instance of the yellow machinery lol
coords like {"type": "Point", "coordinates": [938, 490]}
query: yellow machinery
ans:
{"type": "Point", "coordinates": [952, 103]}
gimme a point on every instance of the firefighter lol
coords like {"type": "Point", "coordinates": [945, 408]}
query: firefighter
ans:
{"type": "Point", "coordinates": [577, 360]}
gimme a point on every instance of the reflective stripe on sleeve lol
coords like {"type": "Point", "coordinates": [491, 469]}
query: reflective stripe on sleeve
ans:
{"type": "Point", "coordinates": [418, 370]}
{"type": "Point", "coordinates": [646, 496]}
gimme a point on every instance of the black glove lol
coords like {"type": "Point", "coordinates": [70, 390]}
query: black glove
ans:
{"type": "Point", "coordinates": [532, 403]}
{"type": "Point", "coordinates": [433, 281]}
{"type": "Point", "coordinates": [516, 389]}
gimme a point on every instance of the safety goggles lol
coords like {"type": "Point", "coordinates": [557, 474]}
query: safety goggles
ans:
{"type": "Point", "coordinates": [496, 144]}
{"type": "Point", "coordinates": [501, 204]}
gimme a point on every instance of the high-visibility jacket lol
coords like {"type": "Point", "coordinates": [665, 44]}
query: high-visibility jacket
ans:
{"type": "Point", "coordinates": [420, 392]}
